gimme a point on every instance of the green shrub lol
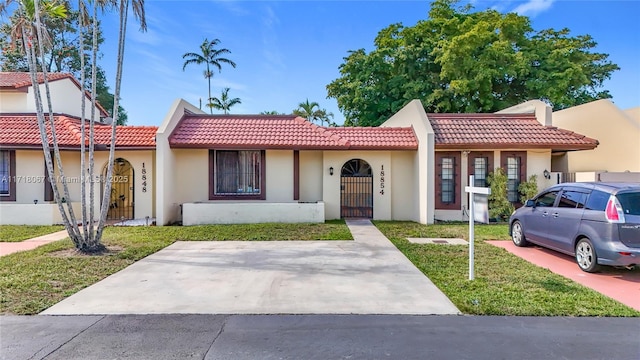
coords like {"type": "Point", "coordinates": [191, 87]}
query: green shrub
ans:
{"type": "Point", "coordinates": [528, 189]}
{"type": "Point", "coordinates": [499, 205]}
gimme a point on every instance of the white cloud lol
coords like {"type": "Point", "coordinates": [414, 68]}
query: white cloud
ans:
{"type": "Point", "coordinates": [533, 7]}
{"type": "Point", "coordinates": [270, 42]}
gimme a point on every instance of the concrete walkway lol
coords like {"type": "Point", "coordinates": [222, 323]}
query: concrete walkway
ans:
{"type": "Point", "coordinates": [365, 276]}
{"type": "Point", "coordinates": [619, 284]}
{"type": "Point", "coordinates": [7, 248]}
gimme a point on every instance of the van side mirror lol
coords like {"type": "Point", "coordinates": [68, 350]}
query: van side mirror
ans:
{"type": "Point", "coordinates": [530, 203]}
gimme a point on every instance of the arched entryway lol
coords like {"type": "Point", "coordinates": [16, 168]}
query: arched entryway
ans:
{"type": "Point", "coordinates": [356, 189]}
{"type": "Point", "coordinates": [121, 200]}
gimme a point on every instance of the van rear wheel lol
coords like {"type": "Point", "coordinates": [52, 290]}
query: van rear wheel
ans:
{"type": "Point", "coordinates": [586, 256]}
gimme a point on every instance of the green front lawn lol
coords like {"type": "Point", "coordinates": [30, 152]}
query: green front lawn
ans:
{"type": "Point", "coordinates": [31, 281]}
{"type": "Point", "coordinates": [504, 283]}
{"type": "Point", "coordinates": [15, 233]}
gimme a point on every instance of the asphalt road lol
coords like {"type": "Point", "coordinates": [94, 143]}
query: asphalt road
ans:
{"type": "Point", "coordinates": [317, 337]}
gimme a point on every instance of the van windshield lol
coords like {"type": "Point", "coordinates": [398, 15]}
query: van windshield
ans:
{"type": "Point", "coordinates": [630, 203]}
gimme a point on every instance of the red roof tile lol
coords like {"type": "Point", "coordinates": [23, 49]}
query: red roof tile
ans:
{"type": "Point", "coordinates": [21, 79]}
{"type": "Point", "coordinates": [501, 131]}
{"type": "Point", "coordinates": [22, 131]}
{"type": "Point", "coordinates": [282, 132]}
{"type": "Point", "coordinates": [377, 137]}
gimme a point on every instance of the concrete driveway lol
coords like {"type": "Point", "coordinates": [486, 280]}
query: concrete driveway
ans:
{"type": "Point", "coordinates": [365, 276]}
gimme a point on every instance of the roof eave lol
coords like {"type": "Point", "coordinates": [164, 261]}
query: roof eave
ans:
{"type": "Point", "coordinates": [254, 147]}
{"type": "Point", "coordinates": [97, 147]}
{"type": "Point", "coordinates": [501, 146]}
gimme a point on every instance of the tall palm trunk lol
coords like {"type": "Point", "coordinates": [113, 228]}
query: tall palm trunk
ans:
{"type": "Point", "coordinates": [209, 82]}
{"type": "Point", "coordinates": [124, 7]}
{"type": "Point", "coordinates": [94, 61]}
{"type": "Point", "coordinates": [83, 135]}
{"type": "Point", "coordinates": [69, 221]}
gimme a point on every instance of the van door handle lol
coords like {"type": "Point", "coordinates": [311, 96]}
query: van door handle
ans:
{"type": "Point", "coordinates": [545, 213]}
{"type": "Point", "coordinates": [555, 215]}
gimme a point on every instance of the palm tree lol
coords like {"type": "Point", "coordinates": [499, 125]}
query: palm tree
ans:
{"type": "Point", "coordinates": [30, 31]}
{"type": "Point", "coordinates": [307, 110]}
{"type": "Point", "coordinates": [223, 103]}
{"type": "Point", "coordinates": [210, 56]}
{"type": "Point", "coordinates": [312, 112]}
{"type": "Point", "coordinates": [323, 116]}
{"type": "Point", "coordinates": [139, 13]}
{"type": "Point", "coordinates": [271, 112]}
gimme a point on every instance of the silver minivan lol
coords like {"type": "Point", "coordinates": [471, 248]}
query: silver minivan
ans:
{"type": "Point", "coordinates": [598, 223]}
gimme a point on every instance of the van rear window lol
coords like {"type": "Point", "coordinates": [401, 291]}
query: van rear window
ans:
{"type": "Point", "coordinates": [630, 203]}
{"type": "Point", "coordinates": [597, 200]}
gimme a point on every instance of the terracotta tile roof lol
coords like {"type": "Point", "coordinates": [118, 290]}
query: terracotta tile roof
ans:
{"type": "Point", "coordinates": [282, 132]}
{"type": "Point", "coordinates": [21, 131]}
{"type": "Point", "coordinates": [378, 137]}
{"type": "Point", "coordinates": [501, 131]}
{"type": "Point", "coordinates": [21, 79]}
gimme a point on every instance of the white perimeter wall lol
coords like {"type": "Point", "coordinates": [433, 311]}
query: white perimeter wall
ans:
{"type": "Point", "coordinates": [251, 212]}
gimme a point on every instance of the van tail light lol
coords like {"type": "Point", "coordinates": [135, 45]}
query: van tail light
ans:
{"type": "Point", "coordinates": [613, 211]}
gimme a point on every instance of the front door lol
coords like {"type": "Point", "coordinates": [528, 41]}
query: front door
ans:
{"type": "Point", "coordinates": [356, 190]}
{"type": "Point", "coordinates": [121, 200]}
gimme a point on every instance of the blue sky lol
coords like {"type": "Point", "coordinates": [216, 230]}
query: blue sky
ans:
{"type": "Point", "coordinates": [288, 51]}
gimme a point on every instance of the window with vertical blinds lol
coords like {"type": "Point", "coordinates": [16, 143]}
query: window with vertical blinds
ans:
{"type": "Point", "coordinates": [237, 174]}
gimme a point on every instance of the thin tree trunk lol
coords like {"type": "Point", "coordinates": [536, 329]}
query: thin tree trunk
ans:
{"type": "Point", "coordinates": [209, 81]}
{"type": "Point", "coordinates": [71, 228]}
{"type": "Point", "coordinates": [83, 135]}
{"type": "Point", "coordinates": [75, 234]}
{"type": "Point", "coordinates": [31, 60]}
{"type": "Point", "coordinates": [94, 60]}
{"type": "Point", "coordinates": [124, 7]}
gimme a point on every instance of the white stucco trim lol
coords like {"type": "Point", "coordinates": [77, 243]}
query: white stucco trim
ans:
{"type": "Point", "coordinates": [542, 111]}
{"type": "Point", "coordinates": [413, 115]}
{"type": "Point", "coordinates": [167, 209]}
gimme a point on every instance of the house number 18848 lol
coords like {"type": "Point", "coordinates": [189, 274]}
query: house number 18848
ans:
{"type": "Point", "coordinates": [144, 179]}
{"type": "Point", "coordinates": [381, 179]}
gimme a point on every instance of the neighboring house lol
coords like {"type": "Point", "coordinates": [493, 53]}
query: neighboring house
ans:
{"type": "Point", "coordinates": [26, 195]}
{"type": "Point", "coordinates": [17, 95]}
{"type": "Point", "coordinates": [617, 131]}
{"type": "Point", "coordinates": [454, 146]}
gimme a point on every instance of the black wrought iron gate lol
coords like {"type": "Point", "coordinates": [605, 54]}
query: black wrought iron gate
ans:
{"type": "Point", "coordinates": [121, 200]}
{"type": "Point", "coordinates": [356, 189]}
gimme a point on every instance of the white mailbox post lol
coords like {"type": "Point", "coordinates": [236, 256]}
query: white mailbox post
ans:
{"type": "Point", "coordinates": [472, 190]}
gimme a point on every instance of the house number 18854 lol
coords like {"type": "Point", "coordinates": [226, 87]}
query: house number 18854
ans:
{"type": "Point", "coordinates": [381, 179]}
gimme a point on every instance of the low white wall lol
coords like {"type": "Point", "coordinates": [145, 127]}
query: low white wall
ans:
{"type": "Point", "coordinates": [586, 176]}
{"type": "Point", "coordinates": [451, 215]}
{"type": "Point", "coordinates": [35, 214]}
{"type": "Point", "coordinates": [251, 212]}
{"type": "Point", "coordinates": [26, 214]}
